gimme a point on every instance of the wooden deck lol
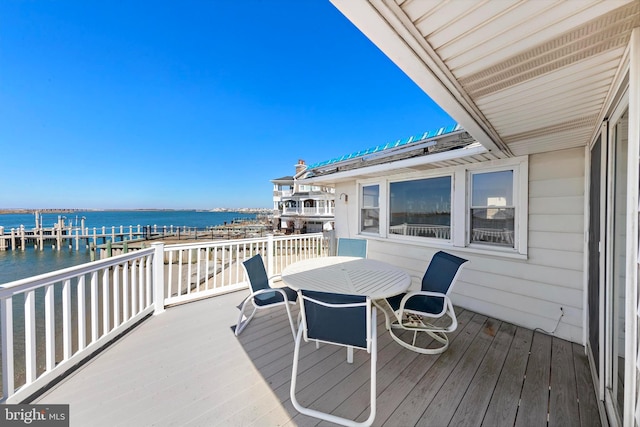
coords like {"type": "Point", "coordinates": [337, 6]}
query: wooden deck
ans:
{"type": "Point", "coordinates": [186, 367]}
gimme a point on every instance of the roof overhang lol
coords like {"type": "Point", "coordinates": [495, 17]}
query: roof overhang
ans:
{"type": "Point", "coordinates": [520, 77]}
{"type": "Point", "coordinates": [470, 154]}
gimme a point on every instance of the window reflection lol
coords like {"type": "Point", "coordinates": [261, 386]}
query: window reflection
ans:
{"type": "Point", "coordinates": [370, 211]}
{"type": "Point", "coordinates": [421, 208]}
{"type": "Point", "coordinates": [492, 209]}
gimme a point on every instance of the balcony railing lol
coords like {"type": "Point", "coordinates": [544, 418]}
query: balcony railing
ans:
{"type": "Point", "coordinates": [315, 211]}
{"type": "Point", "coordinates": [51, 322]}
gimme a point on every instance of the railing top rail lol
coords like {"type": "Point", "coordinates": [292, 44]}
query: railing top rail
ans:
{"type": "Point", "coordinates": [226, 242]}
{"type": "Point", "coordinates": [209, 243]}
{"type": "Point", "coordinates": [19, 286]}
{"type": "Point", "coordinates": [298, 236]}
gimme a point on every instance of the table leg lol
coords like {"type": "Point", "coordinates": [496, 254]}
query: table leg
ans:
{"type": "Point", "coordinates": [349, 354]}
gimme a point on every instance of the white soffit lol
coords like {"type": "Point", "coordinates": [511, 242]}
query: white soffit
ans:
{"type": "Point", "coordinates": [520, 76]}
{"type": "Point", "coordinates": [472, 153]}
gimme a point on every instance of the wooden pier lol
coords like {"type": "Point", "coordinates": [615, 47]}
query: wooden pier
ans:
{"type": "Point", "coordinates": [60, 236]}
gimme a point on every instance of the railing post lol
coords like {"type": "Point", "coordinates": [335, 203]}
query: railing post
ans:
{"type": "Point", "coordinates": [270, 253]}
{"type": "Point", "coordinates": [158, 277]}
{"type": "Point", "coordinates": [6, 315]}
{"type": "Point", "coordinates": [333, 242]}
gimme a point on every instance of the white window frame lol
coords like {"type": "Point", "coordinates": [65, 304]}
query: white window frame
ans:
{"type": "Point", "coordinates": [415, 238]}
{"type": "Point", "coordinates": [380, 208]}
{"type": "Point", "coordinates": [460, 207]}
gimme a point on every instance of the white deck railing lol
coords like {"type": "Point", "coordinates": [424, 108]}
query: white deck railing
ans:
{"type": "Point", "coordinates": [210, 268]}
{"type": "Point", "coordinates": [51, 322]}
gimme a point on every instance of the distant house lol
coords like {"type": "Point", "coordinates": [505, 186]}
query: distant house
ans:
{"type": "Point", "coordinates": [541, 191]}
{"type": "Point", "coordinates": [299, 207]}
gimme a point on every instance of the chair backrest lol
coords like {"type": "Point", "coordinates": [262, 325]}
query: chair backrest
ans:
{"type": "Point", "coordinates": [442, 272]}
{"type": "Point", "coordinates": [336, 318]}
{"type": "Point", "coordinates": [254, 267]}
{"type": "Point", "coordinates": [352, 247]}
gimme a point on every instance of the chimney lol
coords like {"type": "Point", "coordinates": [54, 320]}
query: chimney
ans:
{"type": "Point", "coordinates": [300, 166]}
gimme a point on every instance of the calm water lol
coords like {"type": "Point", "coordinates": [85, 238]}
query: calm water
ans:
{"type": "Point", "coordinates": [16, 265]}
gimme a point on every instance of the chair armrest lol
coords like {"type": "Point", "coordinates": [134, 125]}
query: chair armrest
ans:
{"type": "Point", "coordinates": [410, 295]}
{"type": "Point", "coordinates": [276, 280]}
{"type": "Point", "coordinates": [264, 291]}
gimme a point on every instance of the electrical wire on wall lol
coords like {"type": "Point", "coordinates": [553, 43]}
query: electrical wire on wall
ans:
{"type": "Point", "coordinates": [557, 324]}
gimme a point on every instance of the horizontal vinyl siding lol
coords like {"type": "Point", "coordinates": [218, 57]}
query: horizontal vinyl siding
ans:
{"type": "Point", "coordinates": [531, 292]}
{"type": "Point", "coordinates": [525, 292]}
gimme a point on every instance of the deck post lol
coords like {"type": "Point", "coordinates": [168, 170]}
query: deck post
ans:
{"type": "Point", "coordinates": [158, 277]}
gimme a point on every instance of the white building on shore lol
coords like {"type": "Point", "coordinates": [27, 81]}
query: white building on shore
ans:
{"type": "Point", "coordinates": [301, 208]}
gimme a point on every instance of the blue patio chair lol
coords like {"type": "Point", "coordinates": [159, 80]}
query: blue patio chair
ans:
{"type": "Point", "coordinates": [352, 247]}
{"type": "Point", "coordinates": [345, 320]}
{"type": "Point", "coordinates": [432, 302]}
{"type": "Point", "coordinates": [262, 294]}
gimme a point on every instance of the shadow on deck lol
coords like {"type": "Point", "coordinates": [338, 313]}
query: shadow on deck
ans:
{"type": "Point", "coordinates": [186, 367]}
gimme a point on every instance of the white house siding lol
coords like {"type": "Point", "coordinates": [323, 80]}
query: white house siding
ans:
{"type": "Point", "coordinates": [525, 292]}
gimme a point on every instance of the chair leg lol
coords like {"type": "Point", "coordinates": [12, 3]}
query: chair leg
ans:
{"type": "Point", "coordinates": [438, 336]}
{"type": "Point", "coordinates": [330, 417]}
{"type": "Point", "coordinates": [383, 306]}
{"type": "Point", "coordinates": [241, 325]}
{"type": "Point", "coordinates": [293, 329]}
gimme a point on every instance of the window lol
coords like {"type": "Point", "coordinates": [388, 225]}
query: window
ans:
{"type": "Point", "coordinates": [492, 210]}
{"type": "Point", "coordinates": [477, 207]}
{"type": "Point", "coordinates": [421, 207]}
{"type": "Point", "coordinates": [370, 209]}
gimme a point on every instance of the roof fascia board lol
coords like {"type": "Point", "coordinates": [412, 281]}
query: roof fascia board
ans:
{"type": "Point", "coordinates": [471, 150]}
{"type": "Point", "coordinates": [381, 25]}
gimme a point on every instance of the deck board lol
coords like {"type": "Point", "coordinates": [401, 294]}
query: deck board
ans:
{"type": "Point", "coordinates": [534, 400]}
{"type": "Point", "coordinates": [444, 404]}
{"type": "Point", "coordinates": [186, 367]}
{"type": "Point", "coordinates": [563, 397]}
{"type": "Point", "coordinates": [475, 402]}
{"type": "Point", "coordinates": [503, 406]}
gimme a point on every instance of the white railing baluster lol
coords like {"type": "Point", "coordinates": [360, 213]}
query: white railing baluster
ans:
{"type": "Point", "coordinates": [206, 268]}
{"type": "Point", "coordinates": [198, 266]}
{"type": "Point", "coordinates": [30, 335]}
{"type": "Point", "coordinates": [148, 272]}
{"type": "Point", "coordinates": [66, 319]}
{"type": "Point", "coordinates": [141, 268]}
{"type": "Point", "coordinates": [106, 284]}
{"type": "Point", "coordinates": [223, 267]}
{"type": "Point", "coordinates": [170, 278]}
{"type": "Point", "coordinates": [94, 306]}
{"type": "Point", "coordinates": [189, 263]}
{"type": "Point", "coordinates": [49, 330]}
{"type": "Point", "coordinates": [125, 292]}
{"type": "Point", "coordinates": [6, 324]}
{"type": "Point", "coordinates": [180, 256]}
{"type": "Point", "coordinates": [134, 288]}
{"type": "Point", "coordinates": [82, 314]}
{"type": "Point", "coordinates": [116, 296]}
{"type": "Point", "coordinates": [215, 266]}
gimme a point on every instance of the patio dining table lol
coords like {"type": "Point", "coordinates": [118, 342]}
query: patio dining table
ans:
{"type": "Point", "coordinates": [347, 275]}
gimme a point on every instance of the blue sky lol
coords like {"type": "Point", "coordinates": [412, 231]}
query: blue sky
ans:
{"type": "Point", "coordinates": [190, 104]}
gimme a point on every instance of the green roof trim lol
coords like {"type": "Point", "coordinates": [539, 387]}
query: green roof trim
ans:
{"type": "Point", "coordinates": [390, 145]}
